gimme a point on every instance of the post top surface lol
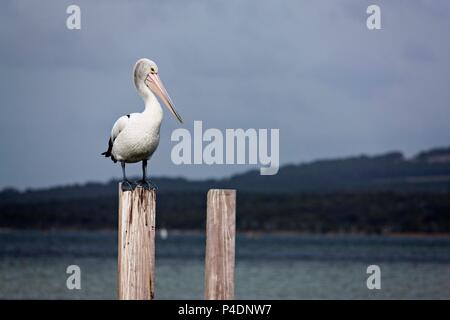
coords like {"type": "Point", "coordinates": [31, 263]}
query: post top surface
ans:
{"type": "Point", "coordinates": [225, 191]}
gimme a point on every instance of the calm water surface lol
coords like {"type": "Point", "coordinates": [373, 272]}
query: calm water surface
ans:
{"type": "Point", "coordinates": [33, 266]}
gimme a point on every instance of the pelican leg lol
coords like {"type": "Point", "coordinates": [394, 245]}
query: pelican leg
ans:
{"type": "Point", "coordinates": [126, 184]}
{"type": "Point", "coordinates": [145, 183]}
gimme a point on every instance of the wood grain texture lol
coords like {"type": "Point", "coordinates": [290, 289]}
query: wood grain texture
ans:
{"type": "Point", "coordinates": [136, 252]}
{"type": "Point", "coordinates": [220, 244]}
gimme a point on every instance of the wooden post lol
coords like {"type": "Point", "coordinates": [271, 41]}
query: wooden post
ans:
{"type": "Point", "coordinates": [220, 239]}
{"type": "Point", "coordinates": [136, 254]}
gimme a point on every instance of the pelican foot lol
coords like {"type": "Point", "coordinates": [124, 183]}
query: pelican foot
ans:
{"type": "Point", "coordinates": [127, 186]}
{"type": "Point", "coordinates": [147, 184]}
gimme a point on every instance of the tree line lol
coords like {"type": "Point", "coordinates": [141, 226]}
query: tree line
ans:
{"type": "Point", "coordinates": [372, 212]}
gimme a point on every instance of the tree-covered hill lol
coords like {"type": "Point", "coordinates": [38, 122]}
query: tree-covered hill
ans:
{"type": "Point", "coordinates": [385, 193]}
{"type": "Point", "coordinates": [429, 171]}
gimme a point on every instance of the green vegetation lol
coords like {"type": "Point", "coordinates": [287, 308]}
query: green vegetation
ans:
{"type": "Point", "coordinates": [337, 212]}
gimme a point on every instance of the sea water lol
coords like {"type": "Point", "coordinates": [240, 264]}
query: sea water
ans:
{"type": "Point", "coordinates": [33, 266]}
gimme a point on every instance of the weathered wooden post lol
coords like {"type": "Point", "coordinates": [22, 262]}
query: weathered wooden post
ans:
{"type": "Point", "coordinates": [136, 254]}
{"type": "Point", "coordinates": [220, 243]}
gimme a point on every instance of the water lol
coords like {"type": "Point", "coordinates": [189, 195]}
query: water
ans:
{"type": "Point", "coordinates": [33, 266]}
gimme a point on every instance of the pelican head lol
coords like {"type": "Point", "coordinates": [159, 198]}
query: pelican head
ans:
{"type": "Point", "coordinates": [146, 78]}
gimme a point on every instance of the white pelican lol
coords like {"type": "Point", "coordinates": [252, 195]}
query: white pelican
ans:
{"type": "Point", "coordinates": [135, 137]}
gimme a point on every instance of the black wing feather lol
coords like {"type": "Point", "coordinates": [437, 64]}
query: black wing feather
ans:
{"type": "Point", "coordinates": [107, 153]}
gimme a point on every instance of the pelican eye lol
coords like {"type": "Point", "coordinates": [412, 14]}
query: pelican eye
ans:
{"type": "Point", "coordinates": [153, 70]}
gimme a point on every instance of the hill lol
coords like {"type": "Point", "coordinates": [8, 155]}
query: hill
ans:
{"type": "Point", "coordinates": [429, 171]}
{"type": "Point", "coordinates": [385, 193]}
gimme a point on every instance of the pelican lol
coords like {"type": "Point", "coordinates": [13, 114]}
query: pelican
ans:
{"type": "Point", "coordinates": [135, 137]}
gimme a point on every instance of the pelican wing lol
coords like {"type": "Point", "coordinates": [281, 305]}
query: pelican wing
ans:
{"type": "Point", "coordinates": [118, 126]}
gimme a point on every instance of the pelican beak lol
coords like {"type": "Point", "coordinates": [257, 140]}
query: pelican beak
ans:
{"type": "Point", "coordinates": [155, 84]}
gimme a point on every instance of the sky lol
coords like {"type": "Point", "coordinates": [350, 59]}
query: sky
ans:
{"type": "Point", "coordinates": [309, 68]}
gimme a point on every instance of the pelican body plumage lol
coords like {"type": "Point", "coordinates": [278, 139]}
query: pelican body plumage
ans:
{"type": "Point", "coordinates": [135, 137]}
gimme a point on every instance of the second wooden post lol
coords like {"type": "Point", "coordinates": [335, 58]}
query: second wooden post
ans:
{"type": "Point", "coordinates": [136, 254]}
{"type": "Point", "coordinates": [220, 244]}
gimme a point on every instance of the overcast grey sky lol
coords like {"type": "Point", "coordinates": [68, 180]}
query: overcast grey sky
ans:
{"type": "Point", "coordinates": [310, 68]}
